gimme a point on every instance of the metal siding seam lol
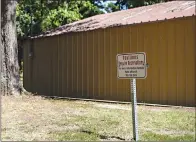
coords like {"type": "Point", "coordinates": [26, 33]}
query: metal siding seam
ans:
{"type": "Point", "coordinates": [36, 71]}
{"type": "Point", "coordinates": [67, 64]}
{"type": "Point", "coordinates": [195, 56]}
{"type": "Point", "coordinates": [151, 27]}
{"type": "Point", "coordinates": [81, 63]}
{"type": "Point", "coordinates": [160, 93]}
{"type": "Point", "coordinates": [82, 43]}
{"type": "Point", "coordinates": [194, 68]}
{"type": "Point", "coordinates": [93, 65]}
{"type": "Point", "coordinates": [58, 72]}
{"type": "Point", "coordinates": [51, 73]}
{"type": "Point", "coordinates": [102, 56]}
{"type": "Point", "coordinates": [141, 41]}
{"type": "Point", "coordinates": [130, 48]}
{"type": "Point", "coordinates": [24, 66]}
{"type": "Point", "coordinates": [56, 68]}
{"type": "Point", "coordinates": [60, 68]}
{"type": "Point", "coordinates": [145, 86]}
{"type": "Point", "coordinates": [98, 64]}
{"type": "Point", "coordinates": [185, 55]}
{"type": "Point", "coordinates": [53, 70]}
{"type": "Point", "coordinates": [116, 68]}
{"type": "Point", "coordinates": [176, 66]}
{"type": "Point", "coordinates": [70, 65]}
{"type": "Point", "coordinates": [32, 72]}
{"type": "Point", "coordinates": [63, 64]}
{"type": "Point", "coordinates": [123, 51]}
{"type": "Point", "coordinates": [194, 44]}
{"type": "Point", "coordinates": [173, 80]}
{"type": "Point", "coordinates": [166, 67]}
{"type": "Point", "coordinates": [113, 64]}
{"type": "Point", "coordinates": [77, 63]}
{"type": "Point", "coordinates": [101, 64]}
{"type": "Point", "coordinates": [104, 62]}
{"type": "Point", "coordinates": [137, 84]}
{"type": "Point", "coordinates": [53, 85]}
{"type": "Point", "coordinates": [87, 67]}
{"type": "Point", "coordinates": [26, 72]}
{"type": "Point", "coordinates": [96, 75]}
{"type": "Point", "coordinates": [166, 44]}
{"type": "Point", "coordinates": [126, 46]}
{"type": "Point", "coordinates": [53, 63]}
{"type": "Point", "coordinates": [109, 66]}
{"type": "Point", "coordinates": [72, 50]}
{"type": "Point", "coordinates": [90, 62]}
{"type": "Point", "coordinates": [27, 67]}
{"type": "Point", "coordinates": [183, 67]}
{"type": "Point", "coordinates": [185, 61]}
{"type": "Point", "coordinates": [111, 61]}
{"type": "Point", "coordinates": [150, 44]}
{"type": "Point", "coordinates": [168, 64]}
{"type": "Point", "coordinates": [146, 82]}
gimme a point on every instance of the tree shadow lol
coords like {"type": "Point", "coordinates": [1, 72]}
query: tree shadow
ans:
{"type": "Point", "coordinates": [103, 136]}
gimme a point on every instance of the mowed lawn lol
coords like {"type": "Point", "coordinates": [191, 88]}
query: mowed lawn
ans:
{"type": "Point", "coordinates": [33, 118]}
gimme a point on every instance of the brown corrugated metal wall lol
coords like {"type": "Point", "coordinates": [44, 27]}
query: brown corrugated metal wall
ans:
{"type": "Point", "coordinates": [83, 64]}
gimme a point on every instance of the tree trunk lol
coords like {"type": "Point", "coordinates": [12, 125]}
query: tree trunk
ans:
{"type": "Point", "coordinates": [10, 77]}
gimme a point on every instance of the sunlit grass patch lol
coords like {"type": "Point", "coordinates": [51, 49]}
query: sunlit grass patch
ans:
{"type": "Point", "coordinates": [149, 136]}
{"type": "Point", "coordinates": [33, 118]}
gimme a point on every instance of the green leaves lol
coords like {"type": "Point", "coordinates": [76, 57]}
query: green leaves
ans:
{"type": "Point", "coordinates": [45, 15]}
{"type": "Point", "coordinates": [58, 17]}
{"type": "Point", "coordinates": [111, 7]}
{"type": "Point", "coordinates": [49, 14]}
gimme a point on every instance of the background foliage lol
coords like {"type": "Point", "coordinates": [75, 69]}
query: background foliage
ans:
{"type": "Point", "coordinates": [49, 14]}
{"type": "Point", "coordinates": [37, 16]}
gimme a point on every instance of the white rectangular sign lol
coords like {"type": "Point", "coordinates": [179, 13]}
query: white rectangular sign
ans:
{"type": "Point", "coordinates": [131, 65]}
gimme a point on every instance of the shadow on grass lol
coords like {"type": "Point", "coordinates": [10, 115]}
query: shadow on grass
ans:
{"type": "Point", "coordinates": [102, 136]}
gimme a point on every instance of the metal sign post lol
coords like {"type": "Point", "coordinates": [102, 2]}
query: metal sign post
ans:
{"type": "Point", "coordinates": [134, 109]}
{"type": "Point", "coordinates": [132, 66]}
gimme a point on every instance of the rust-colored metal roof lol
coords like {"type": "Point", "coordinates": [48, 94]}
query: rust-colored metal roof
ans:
{"type": "Point", "coordinates": [156, 12]}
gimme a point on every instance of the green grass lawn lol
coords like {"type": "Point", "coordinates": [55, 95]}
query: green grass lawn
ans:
{"type": "Point", "coordinates": [39, 119]}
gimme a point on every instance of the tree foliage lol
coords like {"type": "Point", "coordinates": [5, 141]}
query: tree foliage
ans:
{"type": "Point", "coordinates": [36, 16]}
{"type": "Point", "coordinates": [112, 7]}
{"type": "Point", "coordinates": [137, 3]}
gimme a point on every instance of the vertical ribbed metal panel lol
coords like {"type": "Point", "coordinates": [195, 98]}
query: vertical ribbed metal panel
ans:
{"type": "Point", "coordinates": [190, 53]}
{"type": "Point", "coordinates": [84, 64]}
{"type": "Point", "coordinates": [25, 64]}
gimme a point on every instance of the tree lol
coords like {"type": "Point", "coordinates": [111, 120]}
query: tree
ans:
{"type": "Point", "coordinates": [9, 69]}
{"type": "Point", "coordinates": [58, 17]}
{"type": "Point", "coordinates": [49, 14]}
{"type": "Point", "coordinates": [137, 3]}
{"type": "Point", "coordinates": [111, 7]}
